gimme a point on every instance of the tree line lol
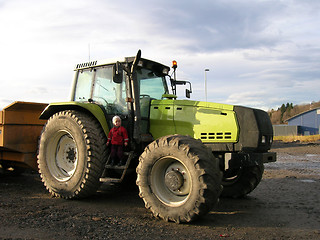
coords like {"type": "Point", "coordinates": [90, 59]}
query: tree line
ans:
{"type": "Point", "coordinates": [289, 110]}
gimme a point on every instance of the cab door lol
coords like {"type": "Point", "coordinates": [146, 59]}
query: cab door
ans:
{"type": "Point", "coordinates": [161, 118]}
{"type": "Point", "coordinates": [110, 95]}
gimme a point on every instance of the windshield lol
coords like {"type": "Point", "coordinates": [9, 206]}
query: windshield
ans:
{"type": "Point", "coordinates": [151, 85]}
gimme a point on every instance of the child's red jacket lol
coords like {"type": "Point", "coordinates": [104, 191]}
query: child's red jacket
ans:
{"type": "Point", "coordinates": [118, 136]}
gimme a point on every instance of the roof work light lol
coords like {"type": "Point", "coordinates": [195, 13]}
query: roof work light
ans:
{"type": "Point", "coordinates": [174, 64]}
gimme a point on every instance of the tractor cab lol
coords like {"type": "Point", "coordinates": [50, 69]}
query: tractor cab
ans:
{"type": "Point", "coordinates": [126, 89]}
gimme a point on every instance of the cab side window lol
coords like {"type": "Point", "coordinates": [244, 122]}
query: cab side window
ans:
{"type": "Point", "coordinates": [84, 85]}
{"type": "Point", "coordinates": [109, 94]}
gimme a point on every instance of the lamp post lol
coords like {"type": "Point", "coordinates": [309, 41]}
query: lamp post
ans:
{"type": "Point", "coordinates": [205, 83]}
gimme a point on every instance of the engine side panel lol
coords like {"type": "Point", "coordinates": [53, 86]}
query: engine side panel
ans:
{"type": "Point", "coordinates": [209, 122]}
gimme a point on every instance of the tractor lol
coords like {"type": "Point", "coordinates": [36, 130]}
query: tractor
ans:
{"type": "Point", "coordinates": [186, 154]}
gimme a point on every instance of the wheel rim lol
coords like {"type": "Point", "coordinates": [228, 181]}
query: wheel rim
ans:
{"type": "Point", "coordinates": [62, 155]}
{"type": "Point", "coordinates": [170, 181]}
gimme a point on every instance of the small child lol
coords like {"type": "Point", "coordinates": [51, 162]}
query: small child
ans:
{"type": "Point", "coordinates": [118, 137]}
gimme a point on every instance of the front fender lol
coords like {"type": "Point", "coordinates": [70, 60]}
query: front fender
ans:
{"type": "Point", "coordinates": [91, 108]}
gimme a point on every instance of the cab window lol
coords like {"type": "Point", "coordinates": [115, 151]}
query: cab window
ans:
{"type": "Point", "coordinates": [151, 85]}
{"type": "Point", "coordinates": [84, 84]}
{"type": "Point", "coordinates": [109, 94]}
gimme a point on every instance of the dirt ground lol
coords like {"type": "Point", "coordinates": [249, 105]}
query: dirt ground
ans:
{"type": "Point", "coordinates": [286, 205]}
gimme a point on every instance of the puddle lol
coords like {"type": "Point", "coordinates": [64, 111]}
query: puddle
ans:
{"type": "Point", "coordinates": [307, 180]}
{"type": "Point", "coordinates": [313, 155]}
{"type": "Point", "coordinates": [304, 163]}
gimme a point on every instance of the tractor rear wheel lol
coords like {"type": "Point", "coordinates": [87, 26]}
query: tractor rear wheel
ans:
{"type": "Point", "coordinates": [237, 183]}
{"type": "Point", "coordinates": [178, 178]}
{"type": "Point", "coordinates": [72, 152]}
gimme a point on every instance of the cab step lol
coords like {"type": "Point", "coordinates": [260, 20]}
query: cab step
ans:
{"type": "Point", "coordinates": [115, 167]}
{"type": "Point", "coordinates": [122, 169]}
{"type": "Point", "coordinates": [110, 180]}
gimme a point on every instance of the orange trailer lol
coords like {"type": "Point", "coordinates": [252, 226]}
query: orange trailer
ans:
{"type": "Point", "coordinates": [20, 128]}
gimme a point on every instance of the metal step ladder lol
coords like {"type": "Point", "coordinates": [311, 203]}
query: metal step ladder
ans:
{"type": "Point", "coordinates": [122, 168]}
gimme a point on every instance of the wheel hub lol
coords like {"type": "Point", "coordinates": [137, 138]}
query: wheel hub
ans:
{"type": "Point", "coordinates": [71, 155]}
{"type": "Point", "coordinates": [174, 180]}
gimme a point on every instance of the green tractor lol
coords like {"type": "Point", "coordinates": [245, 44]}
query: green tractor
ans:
{"type": "Point", "coordinates": [186, 153]}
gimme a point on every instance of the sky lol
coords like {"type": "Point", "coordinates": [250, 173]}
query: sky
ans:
{"type": "Point", "coordinates": [260, 53]}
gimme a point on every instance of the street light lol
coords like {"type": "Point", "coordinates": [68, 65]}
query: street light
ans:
{"type": "Point", "coordinates": [205, 83]}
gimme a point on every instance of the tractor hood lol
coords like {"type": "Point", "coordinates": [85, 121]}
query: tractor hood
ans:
{"type": "Point", "coordinates": [226, 127]}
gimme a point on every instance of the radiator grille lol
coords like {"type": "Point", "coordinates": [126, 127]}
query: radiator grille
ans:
{"type": "Point", "coordinates": [215, 135]}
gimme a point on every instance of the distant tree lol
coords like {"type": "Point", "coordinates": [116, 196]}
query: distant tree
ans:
{"type": "Point", "coordinates": [283, 108]}
{"type": "Point", "coordinates": [289, 106]}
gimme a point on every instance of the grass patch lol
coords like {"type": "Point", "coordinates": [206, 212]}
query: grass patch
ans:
{"type": "Point", "coordinates": [311, 138]}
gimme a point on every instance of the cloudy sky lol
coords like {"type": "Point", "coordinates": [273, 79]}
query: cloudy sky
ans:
{"type": "Point", "coordinates": [260, 53]}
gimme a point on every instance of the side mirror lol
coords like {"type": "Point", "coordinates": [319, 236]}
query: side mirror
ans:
{"type": "Point", "coordinates": [188, 93]}
{"type": "Point", "coordinates": [117, 73]}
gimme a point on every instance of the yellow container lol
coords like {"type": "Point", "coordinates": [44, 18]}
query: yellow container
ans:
{"type": "Point", "coordinates": [20, 129]}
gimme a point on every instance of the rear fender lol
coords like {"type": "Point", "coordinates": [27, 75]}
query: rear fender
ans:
{"type": "Point", "coordinates": [92, 109]}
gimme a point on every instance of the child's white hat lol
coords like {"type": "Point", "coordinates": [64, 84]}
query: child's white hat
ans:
{"type": "Point", "coordinates": [115, 118]}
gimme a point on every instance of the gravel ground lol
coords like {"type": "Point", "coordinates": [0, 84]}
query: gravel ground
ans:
{"type": "Point", "coordinates": [285, 205]}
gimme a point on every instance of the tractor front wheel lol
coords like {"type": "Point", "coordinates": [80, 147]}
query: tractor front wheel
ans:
{"type": "Point", "coordinates": [238, 182]}
{"type": "Point", "coordinates": [178, 178]}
